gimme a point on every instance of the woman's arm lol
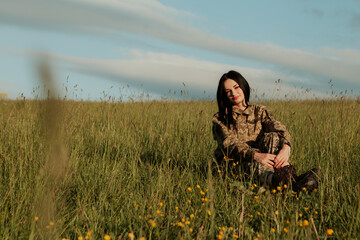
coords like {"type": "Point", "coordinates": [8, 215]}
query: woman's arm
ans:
{"type": "Point", "coordinates": [271, 125]}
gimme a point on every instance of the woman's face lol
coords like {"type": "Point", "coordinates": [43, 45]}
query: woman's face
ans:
{"type": "Point", "coordinates": [234, 93]}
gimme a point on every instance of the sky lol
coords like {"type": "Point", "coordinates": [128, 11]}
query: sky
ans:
{"type": "Point", "coordinates": [160, 49]}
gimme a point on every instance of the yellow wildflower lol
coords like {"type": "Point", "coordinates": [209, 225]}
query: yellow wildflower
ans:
{"type": "Point", "coordinates": [36, 218]}
{"type": "Point", "coordinates": [187, 222]}
{"type": "Point", "coordinates": [202, 193]}
{"type": "Point", "coordinates": [329, 232]}
{"type": "Point", "coordinates": [304, 189]}
{"type": "Point", "coordinates": [223, 229]}
{"type": "Point", "coordinates": [256, 197]}
{"type": "Point", "coordinates": [272, 230]}
{"type": "Point", "coordinates": [306, 223]}
{"type": "Point", "coordinates": [285, 186]}
{"type": "Point", "coordinates": [288, 221]}
{"type": "Point", "coordinates": [235, 236]}
{"type": "Point", "coordinates": [300, 215]}
{"type": "Point", "coordinates": [198, 186]}
{"type": "Point", "coordinates": [131, 236]}
{"type": "Point", "coordinates": [140, 217]}
{"type": "Point", "coordinates": [189, 201]}
{"type": "Point", "coordinates": [252, 188]}
{"type": "Point", "coordinates": [152, 223]}
{"type": "Point", "coordinates": [161, 204]}
{"type": "Point", "coordinates": [176, 209]}
{"type": "Point", "coordinates": [208, 212]}
{"type": "Point", "coordinates": [192, 215]}
{"type": "Point", "coordinates": [316, 212]}
{"type": "Point", "coordinates": [88, 234]}
{"type": "Point", "coordinates": [191, 230]}
{"type": "Point", "coordinates": [80, 238]}
{"type": "Point", "coordinates": [189, 189]}
{"type": "Point", "coordinates": [278, 188]}
{"type": "Point", "coordinates": [231, 228]}
{"type": "Point", "coordinates": [180, 224]}
{"type": "Point", "coordinates": [276, 212]}
{"type": "Point", "coordinates": [306, 208]}
{"type": "Point", "coordinates": [158, 211]}
{"type": "Point", "coordinates": [142, 238]}
{"type": "Point", "coordinates": [286, 230]}
{"type": "Point", "coordinates": [273, 191]}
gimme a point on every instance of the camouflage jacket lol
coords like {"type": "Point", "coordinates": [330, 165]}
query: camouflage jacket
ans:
{"type": "Point", "coordinates": [243, 138]}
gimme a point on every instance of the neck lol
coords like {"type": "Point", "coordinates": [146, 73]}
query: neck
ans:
{"type": "Point", "coordinates": [242, 105]}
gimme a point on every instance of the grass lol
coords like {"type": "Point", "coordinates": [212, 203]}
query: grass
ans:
{"type": "Point", "coordinates": [98, 169]}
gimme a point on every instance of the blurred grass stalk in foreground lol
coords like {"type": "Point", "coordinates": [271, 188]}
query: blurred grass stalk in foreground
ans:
{"type": "Point", "coordinates": [53, 172]}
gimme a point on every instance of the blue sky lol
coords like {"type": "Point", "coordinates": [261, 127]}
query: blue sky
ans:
{"type": "Point", "coordinates": [123, 48]}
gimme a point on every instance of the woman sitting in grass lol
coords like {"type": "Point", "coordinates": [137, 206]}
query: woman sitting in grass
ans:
{"type": "Point", "coordinates": [251, 141]}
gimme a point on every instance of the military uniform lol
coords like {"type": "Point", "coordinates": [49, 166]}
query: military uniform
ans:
{"type": "Point", "coordinates": [252, 130]}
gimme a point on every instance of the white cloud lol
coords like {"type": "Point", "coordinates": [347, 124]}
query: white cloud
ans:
{"type": "Point", "coordinates": [347, 55]}
{"type": "Point", "coordinates": [159, 72]}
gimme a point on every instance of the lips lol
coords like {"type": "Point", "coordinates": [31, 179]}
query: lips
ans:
{"type": "Point", "coordinates": [236, 98]}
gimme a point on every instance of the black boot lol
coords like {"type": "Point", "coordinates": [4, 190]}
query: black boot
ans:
{"type": "Point", "coordinates": [307, 181]}
{"type": "Point", "coordinates": [284, 175]}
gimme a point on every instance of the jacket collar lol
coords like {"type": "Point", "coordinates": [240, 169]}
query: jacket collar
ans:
{"type": "Point", "coordinates": [236, 110]}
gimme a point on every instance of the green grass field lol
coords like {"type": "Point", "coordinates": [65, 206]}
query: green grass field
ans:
{"type": "Point", "coordinates": [101, 170]}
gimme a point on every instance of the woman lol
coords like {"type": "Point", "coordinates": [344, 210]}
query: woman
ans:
{"type": "Point", "coordinates": [250, 139]}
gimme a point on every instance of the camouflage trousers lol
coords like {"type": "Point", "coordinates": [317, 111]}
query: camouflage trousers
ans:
{"type": "Point", "coordinates": [238, 167]}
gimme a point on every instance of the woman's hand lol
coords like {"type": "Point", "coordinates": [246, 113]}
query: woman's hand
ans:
{"type": "Point", "coordinates": [282, 159]}
{"type": "Point", "coordinates": [265, 158]}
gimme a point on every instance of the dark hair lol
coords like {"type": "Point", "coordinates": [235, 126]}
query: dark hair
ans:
{"type": "Point", "coordinates": [225, 106]}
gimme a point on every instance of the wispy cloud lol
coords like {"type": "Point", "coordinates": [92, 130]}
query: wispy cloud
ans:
{"type": "Point", "coordinates": [159, 72]}
{"type": "Point", "coordinates": [153, 19]}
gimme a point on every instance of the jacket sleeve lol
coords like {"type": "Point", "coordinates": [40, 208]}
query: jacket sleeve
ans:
{"type": "Point", "coordinates": [229, 143]}
{"type": "Point", "coordinates": [269, 124]}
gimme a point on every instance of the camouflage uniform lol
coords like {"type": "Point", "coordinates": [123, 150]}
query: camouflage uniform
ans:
{"type": "Point", "coordinates": [254, 130]}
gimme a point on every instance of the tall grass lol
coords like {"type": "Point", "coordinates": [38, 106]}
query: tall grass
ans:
{"type": "Point", "coordinates": [142, 169]}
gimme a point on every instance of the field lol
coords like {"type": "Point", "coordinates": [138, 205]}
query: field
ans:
{"type": "Point", "coordinates": [100, 170]}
